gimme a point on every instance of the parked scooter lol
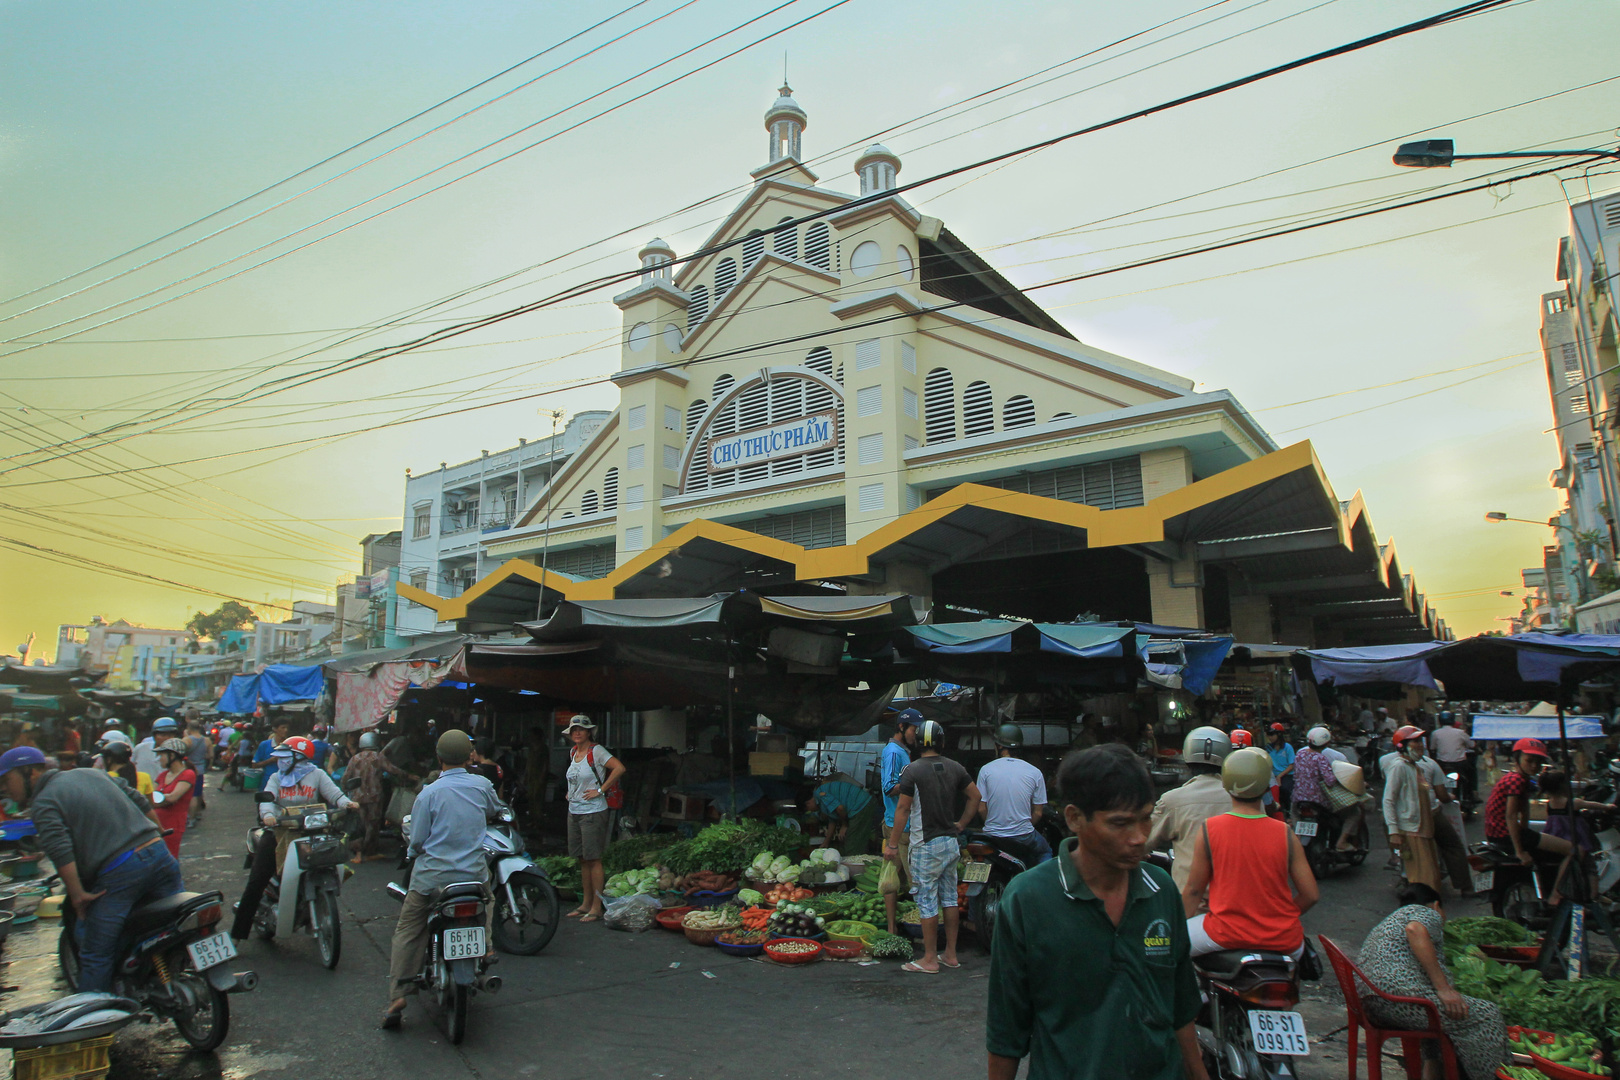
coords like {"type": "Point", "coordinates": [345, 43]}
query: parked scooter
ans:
{"type": "Point", "coordinates": [173, 963]}
{"type": "Point", "coordinates": [1247, 1028]}
{"type": "Point", "coordinates": [526, 906]}
{"type": "Point", "coordinates": [305, 894]}
{"type": "Point", "coordinates": [992, 863]}
{"type": "Point", "coordinates": [453, 966]}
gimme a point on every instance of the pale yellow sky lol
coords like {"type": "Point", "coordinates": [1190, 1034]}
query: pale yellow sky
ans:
{"type": "Point", "coordinates": [122, 124]}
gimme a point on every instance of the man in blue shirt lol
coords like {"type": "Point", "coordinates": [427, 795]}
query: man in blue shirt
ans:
{"type": "Point", "coordinates": [278, 735]}
{"type": "Point", "coordinates": [896, 756]}
{"type": "Point", "coordinates": [446, 840]}
{"type": "Point", "coordinates": [1282, 763]}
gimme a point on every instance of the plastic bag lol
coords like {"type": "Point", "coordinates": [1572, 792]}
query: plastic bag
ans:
{"type": "Point", "coordinates": [889, 879]}
{"type": "Point", "coordinates": [632, 913]}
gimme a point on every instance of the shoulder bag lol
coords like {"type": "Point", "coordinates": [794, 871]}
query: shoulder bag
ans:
{"type": "Point", "coordinates": [615, 798]}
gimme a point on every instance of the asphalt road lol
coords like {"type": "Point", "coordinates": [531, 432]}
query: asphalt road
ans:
{"type": "Point", "coordinates": [600, 1003]}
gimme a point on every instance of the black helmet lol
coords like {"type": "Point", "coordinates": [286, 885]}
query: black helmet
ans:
{"type": "Point", "coordinates": [930, 734]}
{"type": "Point", "coordinates": [1009, 735]}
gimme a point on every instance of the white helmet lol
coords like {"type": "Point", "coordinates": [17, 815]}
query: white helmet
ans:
{"type": "Point", "coordinates": [1206, 745]}
{"type": "Point", "coordinates": [1319, 736]}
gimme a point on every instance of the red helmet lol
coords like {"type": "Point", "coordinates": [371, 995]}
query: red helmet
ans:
{"type": "Point", "coordinates": [1406, 734]}
{"type": "Point", "coordinates": [300, 747]}
{"type": "Point", "coordinates": [1531, 746]}
{"type": "Point", "coordinates": [1241, 738]}
{"type": "Point", "coordinates": [1279, 727]}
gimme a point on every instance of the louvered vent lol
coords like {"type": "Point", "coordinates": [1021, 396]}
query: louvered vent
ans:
{"type": "Point", "coordinates": [1611, 214]}
{"type": "Point", "coordinates": [610, 490]}
{"type": "Point", "coordinates": [978, 411]}
{"type": "Point", "coordinates": [753, 248]}
{"type": "Point", "coordinates": [785, 242]}
{"type": "Point", "coordinates": [818, 245]}
{"type": "Point", "coordinates": [867, 354]}
{"type": "Point", "coordinates": [725, 423]}
{"type": "Point", "coordinates": [1108, 485]}
{"type": "Point", "coordinates": [725, 277]}
{"type": "Point", "coordinates": [698, 308]}
{"type": "Point", "coordinates": [590, 504]}
{"type": "Point", "coordinates": [754, 410]}
{"type": "Point", "coordinates": [939, 407]}
{"type": "Point", "coordinates": [787, 404]}
{"type": "Point", "coordinates": [819, 399]}
{"type": "Point", "coordinates": [1019, 411]}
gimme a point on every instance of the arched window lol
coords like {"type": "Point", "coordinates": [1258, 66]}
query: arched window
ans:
{"type": "Point", "coordinates": [589, 504]}
{"type": "Point", "coordinates": [725, 276]}
{"type": "Point", "coordinates": [610, 490]}
{"type": "Point", "coordinates": [754, 411]}
{"type": "Point", "coordinates": [785, 242]}
{"type": "Point", "coordinates": [698, 308]}
{"type": "Point", "coordinates": [725, 423]}
{"type": "Point", "coordinates": [1019, 411]}
{"type": "Point", "coordinates": [819, 399]}
{"type": "Point", "coordinates": [818, 245]}
{"type": "Point", "coordinates": [697, 474]}
{"type": "Point", "coordinates": [978, 410]}
{"type": "Point", "coordinates": [753, 248]}
{"type": "Point", "coordinates": [787, 404]}
{"type": "Point", "coordinates": [939, 407]}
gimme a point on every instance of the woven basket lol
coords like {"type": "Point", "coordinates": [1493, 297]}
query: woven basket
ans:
{"type": "Point", "coordinates": [780, 957]}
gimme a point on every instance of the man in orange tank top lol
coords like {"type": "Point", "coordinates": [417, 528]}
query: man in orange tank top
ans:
{"type": "Point", "coordinates": [1258, 879]}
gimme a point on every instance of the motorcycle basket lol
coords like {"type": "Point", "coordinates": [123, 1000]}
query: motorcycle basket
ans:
{"type": "Point", "coordinates": [318, 852]}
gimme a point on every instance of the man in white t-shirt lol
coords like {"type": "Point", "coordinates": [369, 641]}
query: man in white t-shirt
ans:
{"type": "Point", "coordinates": [1014, 794]}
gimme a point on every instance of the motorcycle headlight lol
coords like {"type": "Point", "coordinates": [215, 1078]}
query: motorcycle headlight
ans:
{"type": "Point", "coordinates": [314, 821]}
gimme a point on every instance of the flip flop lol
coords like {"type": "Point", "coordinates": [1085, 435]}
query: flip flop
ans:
{"type": "Point", "coordinates": [589, 917]}
{"type": "Point", "coordinates": [576, 913]}
{"type": "Point", "coordinates": [947, 963]}
{"type": "Point", "coordinates": [913, 967]}
{"type": "Point", "coordinates": [391, 1020]}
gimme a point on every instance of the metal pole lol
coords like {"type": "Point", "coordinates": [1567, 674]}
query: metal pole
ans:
{"type": "Point", "coordinates": [731, 729]}
{"type": "Point", "coordinates": [551, 472]}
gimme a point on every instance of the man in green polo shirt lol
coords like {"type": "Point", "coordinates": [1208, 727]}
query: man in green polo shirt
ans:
{"type": "Point", "coordinates": [1091, 974]}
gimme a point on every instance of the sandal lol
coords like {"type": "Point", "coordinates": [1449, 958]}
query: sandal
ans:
{"type": "Point", "coordinates": [590, 916]}
{"type": "Point", "coordinates": [576, 913]}
{"type": "Point", "coordinates": [391, 1019]}
{"type": "Point", "coordinates": [946, 963]}
{"type": "Point", "coordinates": [915, 967]}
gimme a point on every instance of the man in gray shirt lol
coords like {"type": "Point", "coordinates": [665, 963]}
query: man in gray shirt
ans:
{"type": "Point", "coordinates": [100, 835]}
{"type": "Point", "coordinates": [446, 840]}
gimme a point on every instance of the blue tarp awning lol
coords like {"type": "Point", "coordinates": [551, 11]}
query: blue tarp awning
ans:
{"type": "Point", "coordinates": [1505, 726]}
{"type": "Point", "coordinates": [1083, 639]}
{"type": "Point", "coordinates": [277, 684]}
{"type": "Point", "coordinates": [1521, 667]}
{"type": "Point", "coordinates": [958, 638]}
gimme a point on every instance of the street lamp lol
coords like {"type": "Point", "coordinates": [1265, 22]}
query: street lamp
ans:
{"type": "Point", "coordinates": [1440, 153]}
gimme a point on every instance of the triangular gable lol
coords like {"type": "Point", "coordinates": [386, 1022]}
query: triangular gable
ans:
{"type": "Point", "coordinates": [807, 200]}
{"type": "Point", "coordinates": [795, 275]}
{"type": "Point", "coordinates": [572, 474]}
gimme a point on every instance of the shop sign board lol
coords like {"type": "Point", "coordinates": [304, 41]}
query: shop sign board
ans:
{"type": "Point", "coordinates": [818, 431]}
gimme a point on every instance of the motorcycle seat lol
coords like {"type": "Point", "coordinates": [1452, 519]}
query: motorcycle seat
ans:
{"type": "Point", "coordinates": [1018, 850]}
{"type": "Point", "coordinates": [155, 914]}
{"type": "Point", "coordinates": [1227, 964]}
{"type": "Point", "coordinates": [460, 888]}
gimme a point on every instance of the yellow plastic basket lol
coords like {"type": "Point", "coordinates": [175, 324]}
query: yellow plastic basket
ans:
{"type": "Point", "coordinates": [82, 1060]}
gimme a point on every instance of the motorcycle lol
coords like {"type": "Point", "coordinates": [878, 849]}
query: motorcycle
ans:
{"type": "Point", "coordinates": [526, 906]}
{"type": "Point", "coordinates": [1247, 1029]}
{"type": "Point", "coordinates": [453, 966]}
{"type": "Point", "coordinates": [1520, 892]}
{"type": "Point", "coordinates": [171, 960]}
{"type": "Point", "coordinates": [991, 864]}
{"type": "Point", "coordinates": [305, 894]}
{"type": "Point", "coordinates": [1318, 829]}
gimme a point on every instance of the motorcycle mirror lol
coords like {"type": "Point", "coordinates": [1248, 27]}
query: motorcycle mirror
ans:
{"type": "Point", "coordinates": [507, 816]}
{"type": "Point", "coordinates": [396, 890]}
{"type": "Point", "coordinates": [263, 797]}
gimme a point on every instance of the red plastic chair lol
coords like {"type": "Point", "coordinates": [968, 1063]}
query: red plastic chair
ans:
{"type": "Point", "coordinates": [1348, 975]}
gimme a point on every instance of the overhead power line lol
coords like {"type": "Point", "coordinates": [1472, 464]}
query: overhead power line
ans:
{"type": "Point", "coordinates": [373, 356]}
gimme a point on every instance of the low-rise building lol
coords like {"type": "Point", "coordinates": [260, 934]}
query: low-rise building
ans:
{"type": "Point", "coordinates": [94, 645]}
{"type": "Point", "coordinates": [838, 392]}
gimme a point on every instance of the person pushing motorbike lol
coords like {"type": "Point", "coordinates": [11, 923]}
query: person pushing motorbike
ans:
{"type": "Point", "coordinates": [295, 782]}
{"type": "Point", "coordinates": [446, 841]}
{"type": "Point", "coordinates": [100, 834]}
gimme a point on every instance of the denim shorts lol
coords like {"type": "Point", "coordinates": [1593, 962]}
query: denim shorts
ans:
{"type": "Point", "coordinates": [933, 874]}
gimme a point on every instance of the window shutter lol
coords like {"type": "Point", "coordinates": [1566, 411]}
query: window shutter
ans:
{"type": "Point", "coordinates": [869, 449]}
{"type": "Point", "coordinates": [908, 400]}
{"type": "Point", "coordinates": [725, 276]}
{"type": "Point", "coordinates": [697, 308]}
{"type": "Point", "coordinates": [818, 245]}
{"type": "Point", "coordinates": [637, 417]}
{"type": "Point", "coordinates": [633, 538]}
{"type": "Point", "coordinates": [636, 457]}
{"type": "Point", "coordinates": [908, 357]}
{"type": "Point", "coordinates": [978, 411]}
{"type": "Point", "coordinates": [867, 354]}
{"type": "Point", "coordinates": [610, 490]}
{"type": "Point", "coordinates": [939, 403]}
{"type": "Point", "coordinates": [785, 242]}
{"type": "Point", "coordinates": [672, 418]}
{"type": "Point", "coordinates": [869, 401]}
{"type": "Point", "coordinates": [871, 497]}
{"type": "Point", "coordinates": [753, 248]}
{"type": "Point", "coordinates": [672, 457]}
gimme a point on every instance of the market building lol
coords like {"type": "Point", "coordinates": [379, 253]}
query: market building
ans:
{"type": "Point", "coordinates": [837, 394]}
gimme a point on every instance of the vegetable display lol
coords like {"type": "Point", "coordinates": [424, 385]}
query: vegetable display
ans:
{"type": "Point", "coordinates": [1528, 1000]}
{"type": "Point", "coordinates": [1483, 930]}
{"type": "Point", "coordinates": [631, 882]}
{"type": "Point", "coordinates": [562, 870]}
{"type": "Point", "coordinates": [795, 920]}
{"type": "Point", "coordinates": [889, 947]}
{"type": "Point", "coordinates": [634, 852]}
{"type": "Point", "coordinates": [795, 948]}
{"type": "Point", "coordinates": [749, 897]}
{"type": "Point", "coordinates": [710, 919]}
{"type": "Point", "coordinates": [1575, 1051]}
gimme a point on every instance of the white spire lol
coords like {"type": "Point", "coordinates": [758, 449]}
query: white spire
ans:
{"type": "Point", "coordinates": [786, 123]}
